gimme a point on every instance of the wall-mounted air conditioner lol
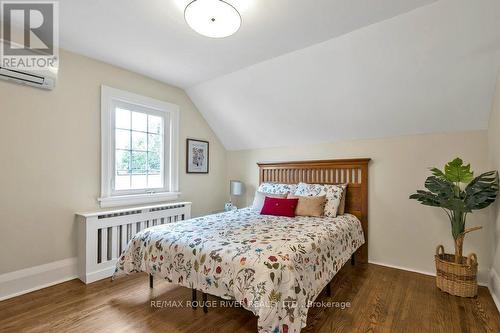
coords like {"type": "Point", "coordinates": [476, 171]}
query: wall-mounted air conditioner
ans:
{"type": "Point", "coordinates": [45, 79]}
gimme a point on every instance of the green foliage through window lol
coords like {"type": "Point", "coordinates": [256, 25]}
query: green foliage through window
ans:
{"type": "Point", "coordinates": [139, 148]}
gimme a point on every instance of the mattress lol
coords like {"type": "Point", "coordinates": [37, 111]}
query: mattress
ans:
{"type": "Point", "coordinates": [272, 266]}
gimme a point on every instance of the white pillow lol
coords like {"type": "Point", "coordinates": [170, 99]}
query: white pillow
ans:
{"type": "Point", "coordinates": [260, 197]}
{"type": "Point", "coordinates": [333, 195]}
{"type": "Point", "coordinates": [277, 188]}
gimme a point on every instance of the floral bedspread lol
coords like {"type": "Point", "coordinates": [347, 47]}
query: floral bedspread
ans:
{"type": "Point", "coordinates": [274, 266]}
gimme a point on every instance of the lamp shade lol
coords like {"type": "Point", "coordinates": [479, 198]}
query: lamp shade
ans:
{"type": "Point", "coordinates": [237, 187]}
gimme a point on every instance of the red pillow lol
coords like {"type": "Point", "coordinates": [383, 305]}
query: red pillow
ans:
{"type": "Point", "coordinates": [279, 207]}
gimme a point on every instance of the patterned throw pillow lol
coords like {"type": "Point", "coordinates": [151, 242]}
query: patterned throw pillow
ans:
{"type": "Point", "coordinates": [310, 190]}
{"type": "Point", "coordinates": [277, 188]}
{"type": "Point", "coordinates": [333, 195]}
{"type": "Point", "coordinates": [343, 199]}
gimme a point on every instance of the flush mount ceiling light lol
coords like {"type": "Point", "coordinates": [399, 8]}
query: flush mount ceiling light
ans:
{"type": "Point", "coordinates": [212, 18]}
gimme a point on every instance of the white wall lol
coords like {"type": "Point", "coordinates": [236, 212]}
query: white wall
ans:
{"type": "Point", "coordinates": [431, 70]}
{"type": "Point", "coordinates": [494, 151]}
{"type": "Point", "coordinates": [402, 232]}
{"type": "Point", "coordinates": [50, 158]}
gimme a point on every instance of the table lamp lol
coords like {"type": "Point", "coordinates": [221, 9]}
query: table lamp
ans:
{"type": "Point", "coordinates": [237, 189]}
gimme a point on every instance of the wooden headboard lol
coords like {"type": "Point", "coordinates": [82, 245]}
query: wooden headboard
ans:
{"type": "Point", "coordinates": [351, 171]}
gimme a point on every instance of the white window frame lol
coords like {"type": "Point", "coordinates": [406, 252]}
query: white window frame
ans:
{"type": "Point", "coordinates": [110, 97]}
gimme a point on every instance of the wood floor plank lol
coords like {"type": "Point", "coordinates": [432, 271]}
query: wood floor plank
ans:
{"type": "Point", "coordinates": [382, 300]}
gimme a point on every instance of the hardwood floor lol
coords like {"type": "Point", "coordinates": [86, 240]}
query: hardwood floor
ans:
{"type": "Point", "coordinates": [382, 300]}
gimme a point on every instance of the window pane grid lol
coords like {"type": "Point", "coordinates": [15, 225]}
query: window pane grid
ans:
{"type": "Point", "coordinates": [142, 167]}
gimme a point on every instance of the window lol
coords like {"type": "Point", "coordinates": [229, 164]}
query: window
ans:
{"type": "Point", "coordinates": [139, 149]}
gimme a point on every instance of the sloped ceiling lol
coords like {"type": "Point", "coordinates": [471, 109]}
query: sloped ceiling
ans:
{"type": "Point", "coordinates": [152, 38]}
{"type": "Point", "coordinates": [429, 70]}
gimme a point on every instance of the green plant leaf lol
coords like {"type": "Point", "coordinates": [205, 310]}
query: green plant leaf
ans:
{"type": "Point", "coordinates": [443, 191]}
{"type": "Point", "coordinates": [438, 173]}
{"type": "Point", "coordinates": [443, 188]}
{"type": "Point", "coordinates": [457, 205]}
{"type": "Point", "coordinates": [481, 191]}
{"type": "Point", "coordinates": [441, 194]}
{"type": "Point", "coordinates": [426, 198]}
{"type": "Point", "coordinates": [456, 171]}
{"type": "Point", "coordinates": [457, 223]}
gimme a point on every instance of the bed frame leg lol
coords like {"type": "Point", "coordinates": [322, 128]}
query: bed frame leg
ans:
{"type": "Point", "coordinates": [353, 259]}
{"type": "Point", "coordinates": [151, 281]}
{"type": "Point", "coordinates": [193, 299]}
{"type": "Point", "coordinates": [205, 308]}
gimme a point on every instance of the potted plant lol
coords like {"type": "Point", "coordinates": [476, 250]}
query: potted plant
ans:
{"type": "Point", "coordinates": [458, 193]}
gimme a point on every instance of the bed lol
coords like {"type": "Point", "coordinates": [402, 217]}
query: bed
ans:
{"type": "Point", "coordinates": [271, 265]}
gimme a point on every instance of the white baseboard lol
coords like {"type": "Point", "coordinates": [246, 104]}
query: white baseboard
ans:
{"type": "Point", "coordinates": [100, 274]}
{"type": "Point", "coordinates": [495, 287]}
{"type": "Point", "coordinates": [30, 279]}
{"type": "Point", "coordinates": [482, 276]}
{"type": "Point", "coordinates": [401, 268]}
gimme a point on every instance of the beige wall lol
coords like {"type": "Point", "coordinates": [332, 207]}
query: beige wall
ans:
{"type": "Point", "coordinates": [50, 168]}
{"type": "Point", "coordinates": [402, 232]}
{"type": "Point", "coordinates": [494, 150]}
{"type": "Point", "coordinates": [50, 158]}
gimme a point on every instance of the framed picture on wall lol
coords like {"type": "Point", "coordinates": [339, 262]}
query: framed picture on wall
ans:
{"type": "Point", "coordinates": [197, 156]}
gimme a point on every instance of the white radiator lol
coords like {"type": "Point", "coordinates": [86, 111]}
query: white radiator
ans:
{"type": "Point", "coordinates": [102, 236]}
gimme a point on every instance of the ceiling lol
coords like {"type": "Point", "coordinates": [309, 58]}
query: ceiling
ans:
{"type": "Point", "coordinates": [151, 37]}
{"type": "Point", "coordinates": [431, 70]}
{"type": "Point", "coordinates": [302, 72]}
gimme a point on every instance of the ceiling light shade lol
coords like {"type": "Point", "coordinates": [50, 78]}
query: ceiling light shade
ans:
{"type": "Point", "coordinates": [212, 18]}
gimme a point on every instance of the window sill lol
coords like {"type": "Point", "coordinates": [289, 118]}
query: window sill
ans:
{"type": "Point", "coordinates": [136, 199]}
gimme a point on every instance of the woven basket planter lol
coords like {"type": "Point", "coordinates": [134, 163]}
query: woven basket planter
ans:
{"type": "Point", "coordinates": [456, 279]}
